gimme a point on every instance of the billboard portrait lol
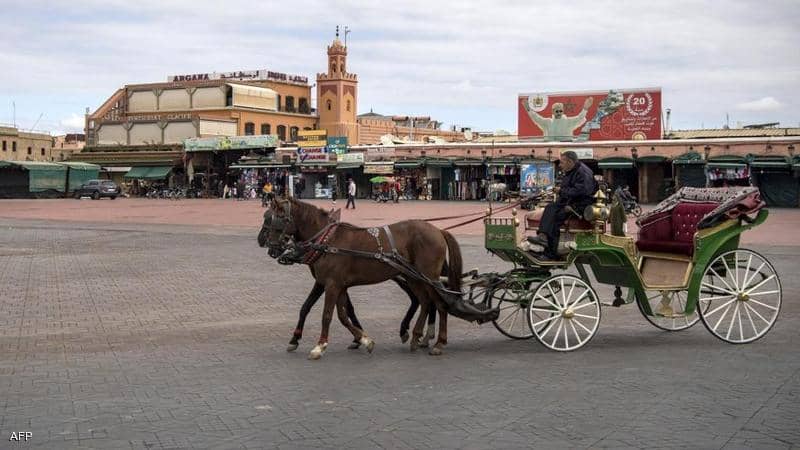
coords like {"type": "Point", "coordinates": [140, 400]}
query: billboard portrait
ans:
{"type": "Point", "coordinates": [535, 177]}
{"type": "Point", "coordinates": [625, 114]}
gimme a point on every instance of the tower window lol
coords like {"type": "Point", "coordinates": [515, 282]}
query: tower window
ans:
{"type": "Point", "coordinates": [348, 105]}
{"type": "Point", "coordinates": [5, 146]}
{"type": "Point", "coordinates": [333, 67]}
{"type": "Point", "coordinates": [249, 129]}
{"type": "Point", "coordinates": [282, 132]}
{"type": "Point", "coordinates": [30, 150]}
{"type": "Point", "coordinates": [14, 146]}
{"type": "Point", "coordinates": [329, 104]}
{"type": "Point", "coordinates": [265, 128]}
{"type": "Point", "coordinates": [42, 152]}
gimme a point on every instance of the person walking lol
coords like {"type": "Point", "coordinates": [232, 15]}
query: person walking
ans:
{"type": "Point", "coordinates": [351, 194]}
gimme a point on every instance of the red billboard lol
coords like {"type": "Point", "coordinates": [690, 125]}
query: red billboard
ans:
{"type": "Point", "coordinates": [614, 115]}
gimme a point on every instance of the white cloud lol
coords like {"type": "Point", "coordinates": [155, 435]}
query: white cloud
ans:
{"type": "Point", "coordinates": [762, 104]}
{"type": "Point", "coordinates": [72, 124]}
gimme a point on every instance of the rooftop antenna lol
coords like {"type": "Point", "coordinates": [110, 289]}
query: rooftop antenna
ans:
{"type": "Point", "coordinates": [37, 122]}
{"type": "Point", "coordinates": [14, 108]}
{"type": "Point", "coordinates": [346, 32]}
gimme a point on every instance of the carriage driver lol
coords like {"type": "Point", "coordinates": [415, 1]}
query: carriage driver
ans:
{"type": "Point", "coordinates": [576, 190]}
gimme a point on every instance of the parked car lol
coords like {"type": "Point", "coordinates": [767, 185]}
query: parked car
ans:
{"type": "Point", "coordinates": [97, 189]}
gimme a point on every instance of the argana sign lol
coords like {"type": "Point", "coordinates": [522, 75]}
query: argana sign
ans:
{"type": "Point", "coordinates": [618, 114]}
{"type": "Point", "coordinates": [241, 75]}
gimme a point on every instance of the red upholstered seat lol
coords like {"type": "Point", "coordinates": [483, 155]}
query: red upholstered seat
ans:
{"type": "Point", "coordinates": [673, 231]}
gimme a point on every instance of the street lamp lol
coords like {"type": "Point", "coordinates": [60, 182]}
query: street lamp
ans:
{"type": "Point", "coordinates": [707, 151]}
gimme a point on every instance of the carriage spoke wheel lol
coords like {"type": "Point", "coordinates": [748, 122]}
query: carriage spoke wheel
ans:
{"type": "Point", "coordinates": [571, 309]}
{"type": "Point", "coordinates": [667, 308]}
{"type": "Point", "coordinates": [740, 296]}
{"type": "Point", "coordinates": [512, 301]}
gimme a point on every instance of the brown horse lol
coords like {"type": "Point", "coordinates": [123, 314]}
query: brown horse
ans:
{"type": "Point", "coordinates": [425, 247]}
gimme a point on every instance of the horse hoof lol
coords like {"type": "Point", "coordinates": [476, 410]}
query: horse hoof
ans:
{"type": "Point", "coordinates": [414, 345]}
{"type": "Point", "coordinates": [317, 352]}
{"type": "Point", "coordinates": [435, 351]}
{"type": "Point", "coordinates": [368, 343]}
{"type": "Point", "coordinates": [423, 344]}
{"type": "Point", "coordinates": [353, 346]}
{"type": "Point", "coordinates": [292, 347]}
{"type": "Point", "coordinates": [404, 337]}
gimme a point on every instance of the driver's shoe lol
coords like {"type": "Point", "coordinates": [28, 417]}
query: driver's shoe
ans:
{"type": "Point", "coordinates": [538, 240]}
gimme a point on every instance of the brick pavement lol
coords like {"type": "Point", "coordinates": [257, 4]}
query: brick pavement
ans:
{"type": "Point", "coordinates": [127, 335]}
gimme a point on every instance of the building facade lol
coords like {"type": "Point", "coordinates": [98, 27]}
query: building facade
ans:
{"type": "Point", "coordinates": [18, 145]}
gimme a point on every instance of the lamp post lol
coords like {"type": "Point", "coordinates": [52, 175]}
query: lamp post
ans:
{"type": "Point", "coordinates": [707, 151]}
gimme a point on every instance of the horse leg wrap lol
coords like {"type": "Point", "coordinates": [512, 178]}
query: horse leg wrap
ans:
{"type": "Point", "coordinates": [318, 351]}
{"type": "Point", "coordinates": [367, 342]}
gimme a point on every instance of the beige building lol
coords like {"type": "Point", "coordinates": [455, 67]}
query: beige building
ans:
{"type": "Point", "coordinates": [18, 145]}
{"type": "Point", "coordinates": [64, 146]}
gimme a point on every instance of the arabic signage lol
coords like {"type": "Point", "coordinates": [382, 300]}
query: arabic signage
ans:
{"type": "Point", "coordinates": [312, 138]}
{"type": "Point", "coordinates": [230, 143]}
{"type": "Point", "coordinates": [337, 144]}
{"type": "Point", "coordinates": [632, 114]}
{"type": "Point", "coordinates": [350, 158]}
{"type": "Point", "coordinates": [241, 75]}
{"type": "Point", "coordinates": [157, 117]}
{"type": "Point", "coordinates": [379, 167]}
{"type": "Point", "coordinates": [538, 175]}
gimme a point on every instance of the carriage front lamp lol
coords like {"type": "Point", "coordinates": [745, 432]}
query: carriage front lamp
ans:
{"type": "Point", "coordinates": [598, 212]}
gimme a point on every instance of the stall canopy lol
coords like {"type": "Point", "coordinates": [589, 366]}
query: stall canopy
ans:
{"type": "Point", "coordinates": [776, 162]}
{"type": "Point", "coordinates": [775, 179]}
{"type": "Point", "coordinates": [408, 164]}
{"type": "Point", "coordinates": [438, 163]}
{"type": "Point", "coordinates": [79, 173]}
{"type": "Point", "coordinates": [615, 163]}
{"type": "Point", "coordinates": [651, 159]}
{"type": "Point", "coordinates": [690, 170]}
{"type": "Point", "coordinates": [468, 162]}
{"type": "Point", "coordinates": [148, 173]}
{"type": "Point", "coordinates": [689, 158]}
{"type": "Point", "coordinates": [727, 162]}
{"type": "Point", "coordinates": [25, 178]}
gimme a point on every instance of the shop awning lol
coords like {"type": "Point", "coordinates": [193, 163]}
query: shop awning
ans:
{"type": "Point", "coordinates": [318, 163]}
{"type": "Point", "coordinates": [348, 165]}
{"type": "Point", "coordinates": [615, 163]}
{"type": "Point", "coordinates": [468, 162]}
{"type": "Point", "coordinates": [259, 166]}
{"type": "Point", "coordinates": [502, 162]}
{"type": "Point", "coordinates": [689, 158]}
{"type": "Point", "coordinates": [775, 163]}
{"type": "Point", "coordinates": [116, 169]}
{"type": "Point", "coordinates": [651, 159]}
{"type": "Point", "coordinates": [410, 164]}
{"type": "Point", "coordinates": [727, 162]}
{"type": "Point", "coordinates": [439, 163]}
{"type": "Point", "coordinates": [148, 173]}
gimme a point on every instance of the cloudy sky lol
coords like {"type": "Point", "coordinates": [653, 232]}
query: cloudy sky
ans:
{"type": "Point", "coordinates": [462, 62]}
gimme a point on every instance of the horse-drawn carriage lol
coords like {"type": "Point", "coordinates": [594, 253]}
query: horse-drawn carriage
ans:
{"type": "Point", "coordinates": [686, 266]}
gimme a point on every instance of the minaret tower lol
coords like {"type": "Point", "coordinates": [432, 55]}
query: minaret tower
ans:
{"type": "Point", "coordinates": [337, 95]}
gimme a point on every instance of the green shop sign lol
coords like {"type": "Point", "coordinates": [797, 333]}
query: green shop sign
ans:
{"type": "Point", "coordinates": [230, 143]}
{"type": "Point", "coordinates": [337, 144]}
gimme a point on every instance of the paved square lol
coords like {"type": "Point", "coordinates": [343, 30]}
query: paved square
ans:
{"type": "Point", "coordinates": [124, 335]}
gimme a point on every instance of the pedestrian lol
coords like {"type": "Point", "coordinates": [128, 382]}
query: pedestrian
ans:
{"type": "Point", "coordinates": [396, 192]}
{"type": "Point", "coordinates": [351, 194]}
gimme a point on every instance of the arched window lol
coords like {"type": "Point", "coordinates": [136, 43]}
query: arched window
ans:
{"type": "Point", "coordinates": [329, 104]}
{"type": "Point", "coordinates": [303, 105]}
{"type": "Point", "coordinates": [293, 133]}
{"type": "Point", "coordinates": [348, 105]}
{"type": "Point", "coordinates": [282, 132]}
{"type": "Point", "coordinates": [289, 103]}
{"type": "Point", "coordinates": [265, 128]}
{"type": "Point", "coordinates": [249, 129]}
{"type": "Point", "coordinates": [333, 67]}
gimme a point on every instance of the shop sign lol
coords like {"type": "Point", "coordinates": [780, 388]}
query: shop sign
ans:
{"type": "Point", "coordinates": [157, 117]}
{"type": "Point", "coordinates": [312, 138]}
{"type": "Point", "coordinates": [379, 168]}
{"type": "Point", "coordinates": [309, 157]}
{"type": "Point", "coordinates": [230, 143]}
{"type": "Point", "coordinates": [350, 158]}
{"type": "Point", "coordinates": [610, 115]}
{"type": "Point", "coordinates": [241, 75]}
{"type": "Point", "coordinates": [337, 144]}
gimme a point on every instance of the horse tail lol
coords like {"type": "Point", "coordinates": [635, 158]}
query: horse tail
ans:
{"type": "Point", "coordinates": [455, 262]}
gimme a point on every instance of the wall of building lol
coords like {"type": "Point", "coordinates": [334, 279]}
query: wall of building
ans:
{"type": "Point", "coordinates": [371, 130]}
{"type": "Point", "coordinates": [18, 145]}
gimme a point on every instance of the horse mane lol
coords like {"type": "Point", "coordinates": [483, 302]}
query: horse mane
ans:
{"type": "Point", "coordinates": [309, 211]}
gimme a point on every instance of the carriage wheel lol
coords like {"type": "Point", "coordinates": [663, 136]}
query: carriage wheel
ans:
{"type": "Point", "coordinates": [571, 309]}
{"type": "Point", "coordinates": [740, 296]}
{"type": "Point", "coordinates": [667, 308]}
{"type": "Point", "coordinates": [512, 302]}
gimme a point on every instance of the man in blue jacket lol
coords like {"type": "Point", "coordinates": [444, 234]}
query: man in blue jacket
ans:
{"type": "Point", "coordinates": [576, 191]}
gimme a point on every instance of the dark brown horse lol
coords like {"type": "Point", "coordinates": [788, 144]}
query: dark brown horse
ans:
{"type": "Point", "coordinates": [423, 246]}
{"type": "Point", "coordinates": [278, 249]}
